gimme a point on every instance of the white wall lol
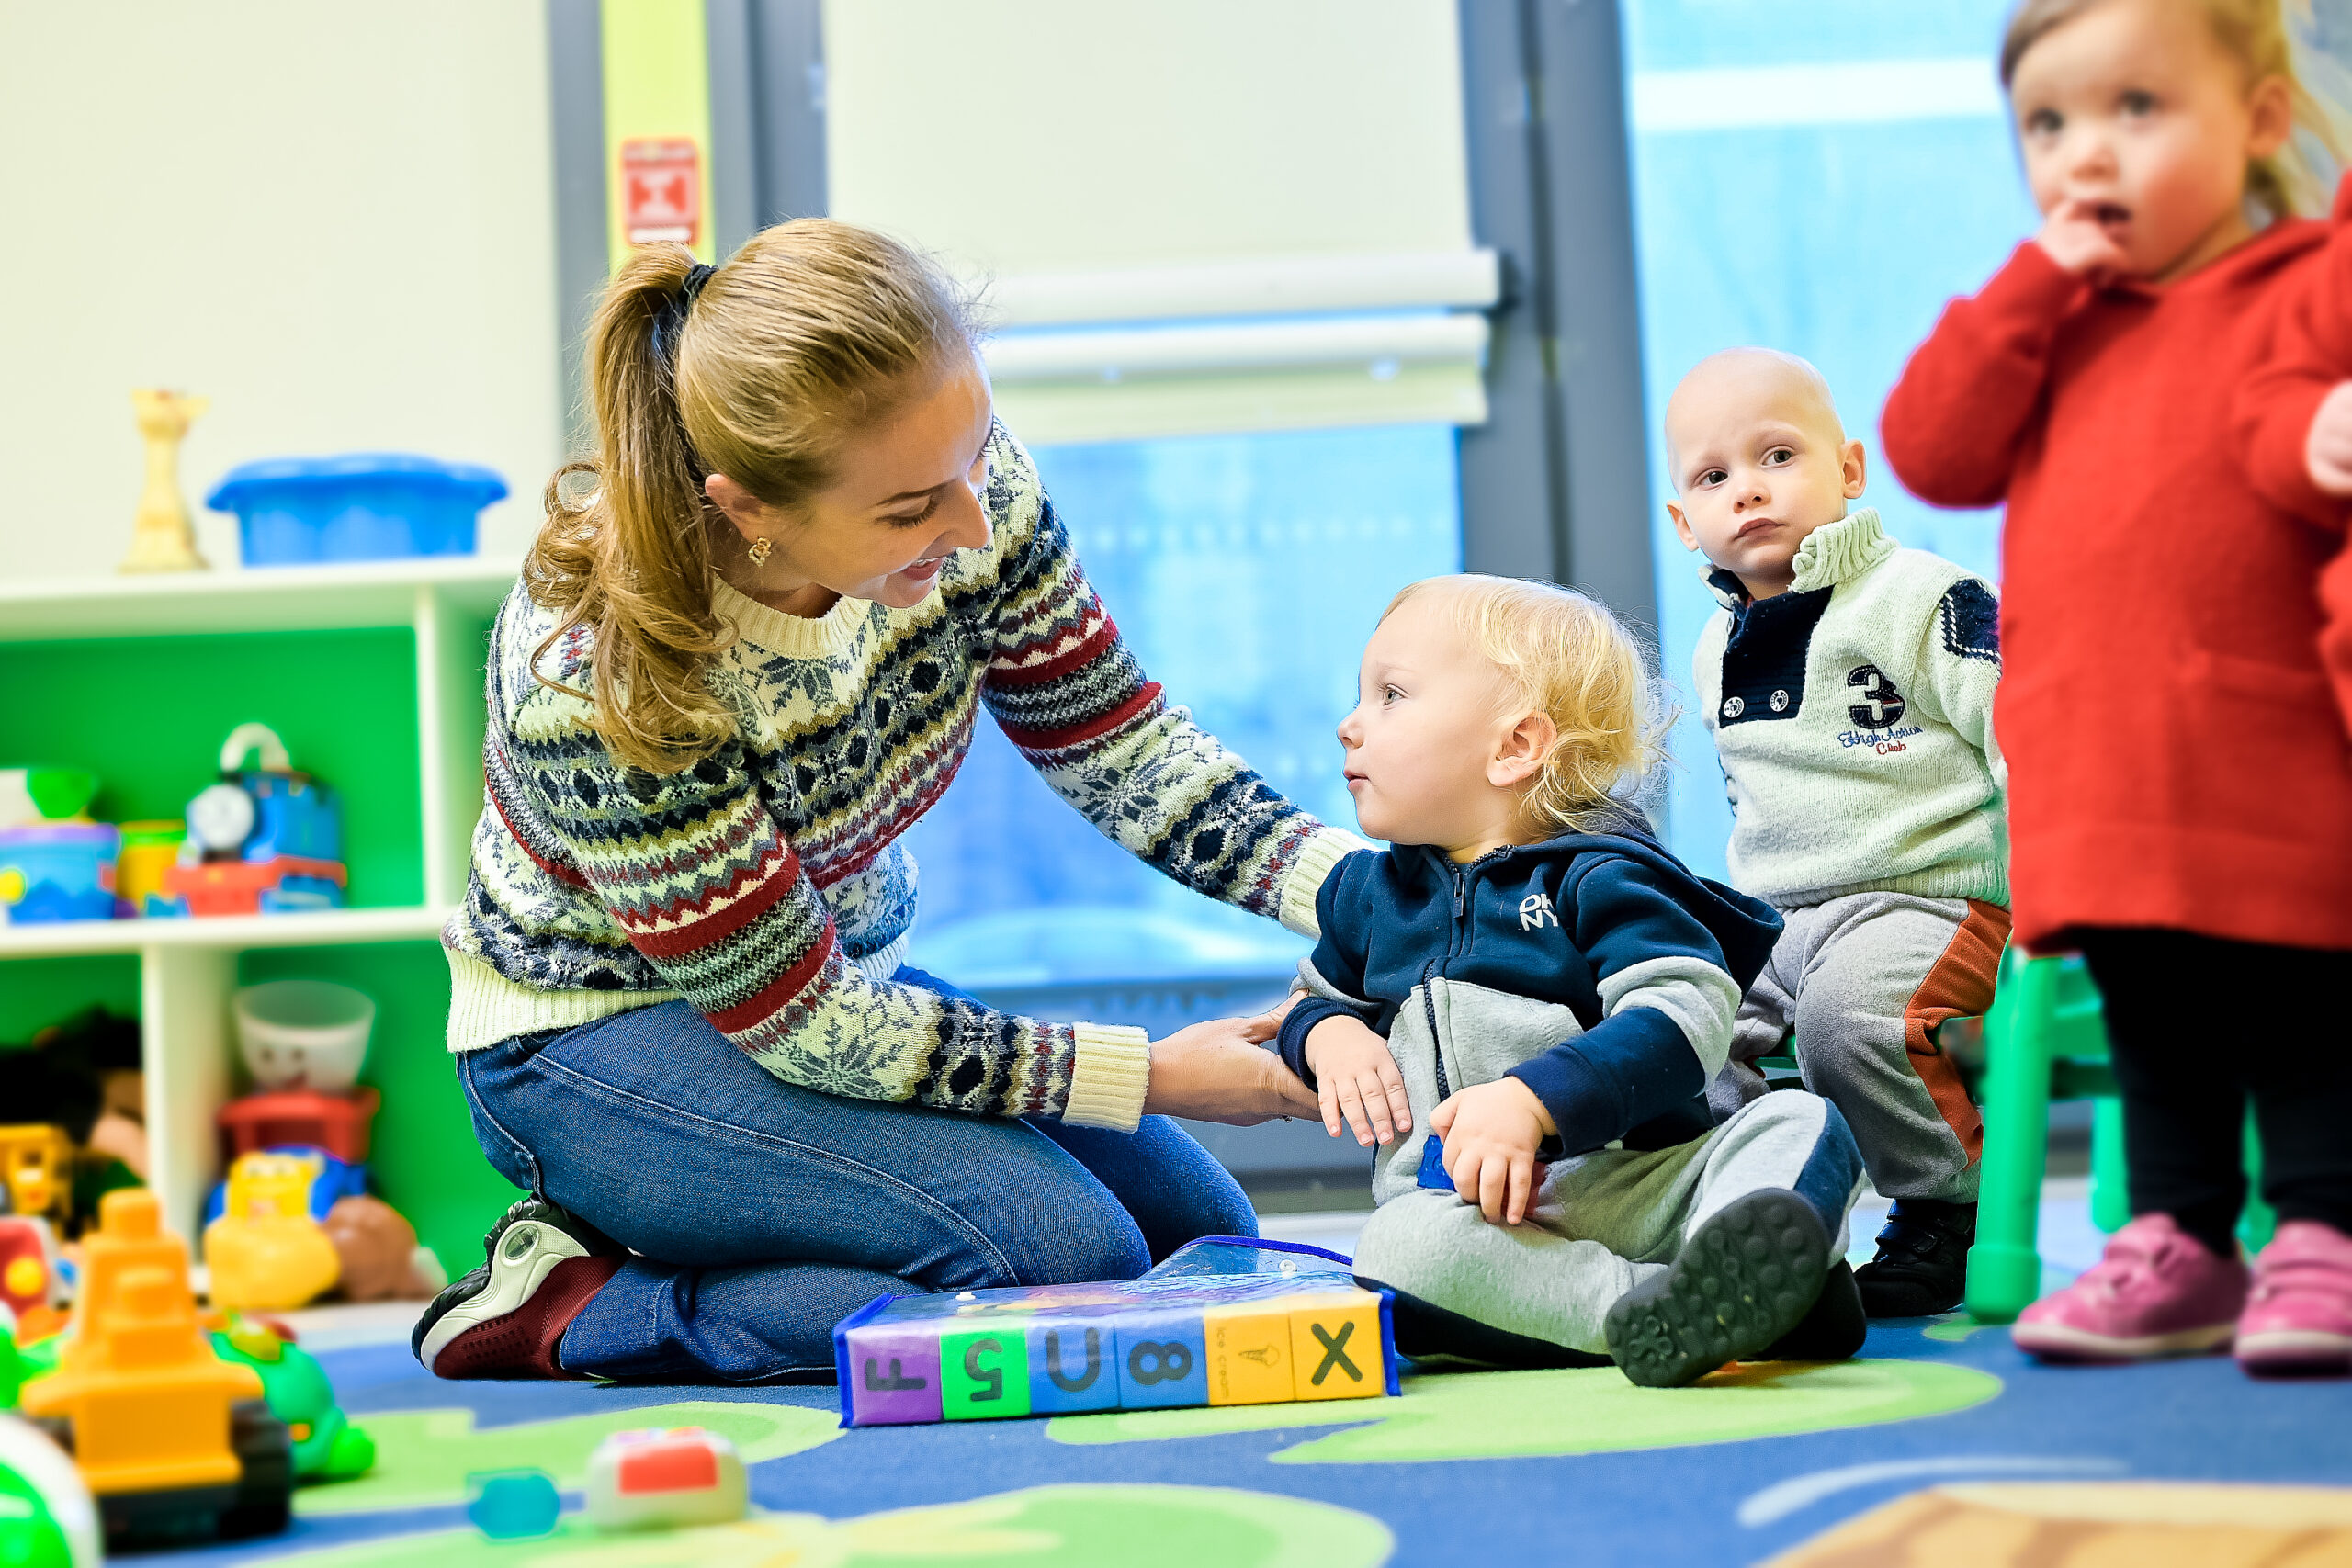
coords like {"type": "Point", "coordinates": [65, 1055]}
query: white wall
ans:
{"type": "Point", "coordinates": [334, 220]}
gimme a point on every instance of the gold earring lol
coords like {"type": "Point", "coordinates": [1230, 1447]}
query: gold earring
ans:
{"type": "Point", "coordinates": [760, 548]}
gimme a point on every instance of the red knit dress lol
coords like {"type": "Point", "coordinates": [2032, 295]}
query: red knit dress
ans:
{"type": "Point", "coordinates": [2176, 755]}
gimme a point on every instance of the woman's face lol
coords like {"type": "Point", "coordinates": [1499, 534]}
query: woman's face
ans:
{"type": "Point", "coordinates": [905, 496]}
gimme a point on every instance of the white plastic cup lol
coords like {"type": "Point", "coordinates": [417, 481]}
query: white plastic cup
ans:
{"type": "Point", "coordinates": [304, 1034]}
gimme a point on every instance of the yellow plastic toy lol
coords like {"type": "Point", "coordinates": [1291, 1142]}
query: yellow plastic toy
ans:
{"type": "Point", "coordinates": [38, 1162]}
{"type": "Point", "coordinates": [171, 1439]}
{"type": "Point", "coordinates": [162, 538]}
{"type": "Point", "coordinates": [266, 1254]}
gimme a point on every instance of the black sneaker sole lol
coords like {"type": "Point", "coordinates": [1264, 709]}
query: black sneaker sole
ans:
{"type": "Point", "coordinates": [1745, 1279]}
{"type": "Point", "coordinates": [535, 1211]}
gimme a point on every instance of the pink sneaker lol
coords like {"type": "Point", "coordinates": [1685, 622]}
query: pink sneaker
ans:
{"type": "Point", "coordinates": [2298, 1318]}
{"type": "Point", "coordinates": [2156, 1292]}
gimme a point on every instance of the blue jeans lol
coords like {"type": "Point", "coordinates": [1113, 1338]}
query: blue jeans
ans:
{"type": "Point", "coordinates": [764, 1214]}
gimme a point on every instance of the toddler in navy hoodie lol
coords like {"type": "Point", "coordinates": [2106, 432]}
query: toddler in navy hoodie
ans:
{"type": "Point", "coordinates": [1522, 1002]}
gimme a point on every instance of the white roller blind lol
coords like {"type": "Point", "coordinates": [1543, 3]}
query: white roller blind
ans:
{"type": "Point", "coordinates": [1220, 215]}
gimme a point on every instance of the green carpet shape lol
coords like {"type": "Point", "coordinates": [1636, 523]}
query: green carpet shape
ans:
{"type": "Point", "coordinates": [1587, 1410]}
{"type": "Point", "coordinates": [1038, 1527]}
{"type": "Point", "coordinates": [423, 1456]}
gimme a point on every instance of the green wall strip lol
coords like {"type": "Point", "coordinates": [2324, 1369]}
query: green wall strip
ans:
{"type": "Point", "coordinates": [657, 85]}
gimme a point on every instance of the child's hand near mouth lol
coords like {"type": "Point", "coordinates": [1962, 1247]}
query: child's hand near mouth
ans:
{"type": "Point", "coordinates": [1491, 1133]}
{"type": "Point", "coordinates": [2076, 235]}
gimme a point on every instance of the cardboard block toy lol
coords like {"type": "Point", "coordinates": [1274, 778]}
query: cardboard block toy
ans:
{"type": "Point", "coordinates": [1224, 1321]}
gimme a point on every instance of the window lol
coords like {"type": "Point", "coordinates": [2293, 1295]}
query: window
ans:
{"type": "Point", "coordinates": [1246, 572]}
{"type": "Point", "coordinates": [1820, 179]}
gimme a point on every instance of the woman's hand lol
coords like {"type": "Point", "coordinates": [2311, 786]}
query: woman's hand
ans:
{"type": "Point", "coordinates": [1217, 1072]}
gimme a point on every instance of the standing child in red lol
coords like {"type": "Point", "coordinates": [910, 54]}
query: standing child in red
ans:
{"type": "Point", "coordinates": [2180, 800]}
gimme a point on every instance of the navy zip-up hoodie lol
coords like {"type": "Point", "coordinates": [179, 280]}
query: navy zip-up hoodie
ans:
{"type": "Point", "coordinates": [1596, 968]}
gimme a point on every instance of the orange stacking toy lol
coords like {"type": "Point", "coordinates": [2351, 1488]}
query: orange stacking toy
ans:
{"type": "Point", "coordinates": [148, 1399]}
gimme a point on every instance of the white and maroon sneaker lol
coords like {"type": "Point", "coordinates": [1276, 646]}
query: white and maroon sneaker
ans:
{"type": "Point", "coordinates": [505, 1318]}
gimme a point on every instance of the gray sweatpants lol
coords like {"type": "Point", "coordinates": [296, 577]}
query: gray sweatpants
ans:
{"type": "Point", "coordinates": [1865, 980]}
{"type": "Point", "coordinates": [1604, 1222]}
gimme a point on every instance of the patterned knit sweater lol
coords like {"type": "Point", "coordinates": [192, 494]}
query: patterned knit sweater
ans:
{"type": "Point", "coordinates": [766, 884]}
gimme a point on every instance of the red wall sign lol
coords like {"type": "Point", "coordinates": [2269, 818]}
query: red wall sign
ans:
{"type": "Point", "coordinates": [661, 190]}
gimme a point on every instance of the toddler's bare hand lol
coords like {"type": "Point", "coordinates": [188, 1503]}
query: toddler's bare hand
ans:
{"type": "Point", "coordinates": [1491, 1134]}
{"type": "Point", "coordinates": [1356, 1080]}
{"type": "Point", "coordinates": [2073, 237]}
{"type": "Point", "coordinates": [2327, 450]}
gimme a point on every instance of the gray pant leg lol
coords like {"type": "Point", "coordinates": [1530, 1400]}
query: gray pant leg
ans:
{"type": "Point", "coordinates": [1866, 958]}
{"type": "Point", "coordinates": [1604, 1222]}
{"type": "Point", "coordinates": [1759, 1029]}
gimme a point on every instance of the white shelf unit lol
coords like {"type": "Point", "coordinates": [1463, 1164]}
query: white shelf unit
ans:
{"type": "Point", "coordinates": [188, 968]}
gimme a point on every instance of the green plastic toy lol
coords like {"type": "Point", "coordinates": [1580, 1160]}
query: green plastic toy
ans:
{"type": "Point", "coordinates": [47, 1519]}
{"type": "Point", "coordinates": [327, 1446]}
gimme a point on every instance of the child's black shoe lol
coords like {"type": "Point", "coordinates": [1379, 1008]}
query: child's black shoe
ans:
{"type": "Point", "coordinates": [1922, 1263]}
{"type": "Point", "coordinates": [1743, 1281]}
{"type": "Point", "coordinates": [1833, 1328]}
{"type": "Point", "coordinates": [506, 1318]}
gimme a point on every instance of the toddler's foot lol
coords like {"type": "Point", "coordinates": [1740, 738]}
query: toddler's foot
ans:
{"type": "Point", "coordinates": [1745, 1279]}
{"type": "Point", "coordinates": [505, 1318]}
{"type": "Point", "coordinates": [1832, 1329]}
{"type": "Point", "coordinates": [1922, 1263]}
{"type": "Point", "coordinates": [2158, 1291]}
{"type": "Point", "coordinates": [2299, 1316]}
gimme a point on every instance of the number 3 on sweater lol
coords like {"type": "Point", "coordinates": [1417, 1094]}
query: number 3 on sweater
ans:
{"type": "Point", "coordinates": [1884, 706]}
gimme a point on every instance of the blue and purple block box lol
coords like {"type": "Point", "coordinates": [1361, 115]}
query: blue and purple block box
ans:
{"type": "Point", "coordinates": [1224, 1321]}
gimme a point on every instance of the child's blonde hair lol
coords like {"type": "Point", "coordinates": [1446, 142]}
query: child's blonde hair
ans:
{"type": "Point", "coordinates": [1573, 661]}
{"type": "Point", "coordinates": [2254, 33]}
{"type": "Point", "coordinates": [811, 331]}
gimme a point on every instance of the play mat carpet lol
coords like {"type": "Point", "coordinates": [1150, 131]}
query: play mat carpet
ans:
{"type": "Point", "coordinates": [1944, 1448]}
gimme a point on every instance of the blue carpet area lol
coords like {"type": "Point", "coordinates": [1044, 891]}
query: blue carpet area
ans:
{"type": "Point", "coordinates": [1717, 1503]}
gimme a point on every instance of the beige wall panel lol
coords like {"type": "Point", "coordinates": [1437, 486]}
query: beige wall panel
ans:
{"type": "Point", "coordinates": [335, 220]}
{"type": "Point", "coordinates": [1046, 136]}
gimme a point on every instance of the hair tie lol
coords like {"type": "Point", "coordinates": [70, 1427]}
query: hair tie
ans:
{"type": "Point", "coordinates": [671, 320]}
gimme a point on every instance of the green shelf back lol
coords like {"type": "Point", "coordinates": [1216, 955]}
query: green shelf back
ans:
{"type": "Point", "coordinates": [148, 716]}
{"type": "Point", "coordinates": [37, 992]}
{"type": "Point", "coordinates": [425, 1160]}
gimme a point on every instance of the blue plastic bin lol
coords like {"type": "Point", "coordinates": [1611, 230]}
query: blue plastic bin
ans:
{"type": "Point", "coordinates": [361, 506]}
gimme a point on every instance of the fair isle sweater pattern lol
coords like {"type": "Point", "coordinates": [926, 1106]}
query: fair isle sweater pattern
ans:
{"type": "Point", "coordinates": [765, 884]}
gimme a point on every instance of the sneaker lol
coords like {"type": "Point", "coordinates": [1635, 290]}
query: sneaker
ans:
{"type": "Point", "coordinates": [505, 1318]}
{"type": "Point", "coordinates": [2297, 1317]}
{"type": "Point", "coordinates": [1743, 1279]}
{"type": "Point", "coordinates": [2158, 1291]}
{"type": "Point", "coordinates": [1833, 1328]}
{"type": "Point", "coordinates": [1922, 1263]}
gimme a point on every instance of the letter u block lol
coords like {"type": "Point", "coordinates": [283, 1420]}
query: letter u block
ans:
{"type": "Point", "coordinates": [984, 1373]}
{"type": "Point", "coordinates": [1163, 1358]}
{"type": "Point", "coordinates": [1073, 1366]}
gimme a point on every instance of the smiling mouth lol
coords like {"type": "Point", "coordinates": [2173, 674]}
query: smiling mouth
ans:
{"type": "Point", "coordinates": [2110, 214]}
{"type": "Point", "coordinates": [925, 567]}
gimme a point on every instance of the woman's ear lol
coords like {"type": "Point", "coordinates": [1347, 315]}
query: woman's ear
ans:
{"type": "Point", "coordinates": [747, 511]}
{"type": "Point", "coordinates": [1520, 753]}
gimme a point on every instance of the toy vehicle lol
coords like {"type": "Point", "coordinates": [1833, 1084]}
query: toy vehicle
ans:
{"type": "Point", "coordinates": [46, 1518]}
{"type": "Point", "coordinates": [264, 841]}
{"type": "Point", "coordinates": [176, 1444]}
{"type": "Point", "coordinates": [266, 1249]}
{"type": "Point", "coordinates": [654, 1478]}
{"type": "Point", "coordinates": [327, 1446]}
{"type": "Point", "coordinates": [37, 1161]}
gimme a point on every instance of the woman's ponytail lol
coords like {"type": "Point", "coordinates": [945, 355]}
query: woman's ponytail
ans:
{"type": "Point", "coordinates": [753, 369]}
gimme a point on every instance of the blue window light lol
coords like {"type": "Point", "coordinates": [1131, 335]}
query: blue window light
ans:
{"type": "Point", "coordinates": [1820, 179]}
{"type": "Point", "coordinates": [1246, 572]}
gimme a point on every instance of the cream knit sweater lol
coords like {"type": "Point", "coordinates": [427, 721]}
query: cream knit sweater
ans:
{"type": "Point", "coordinates": [1854, 717]}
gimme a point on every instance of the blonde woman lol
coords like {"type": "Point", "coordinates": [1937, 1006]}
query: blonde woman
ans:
{"type": "Point", "coordinates": [746, 654]}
